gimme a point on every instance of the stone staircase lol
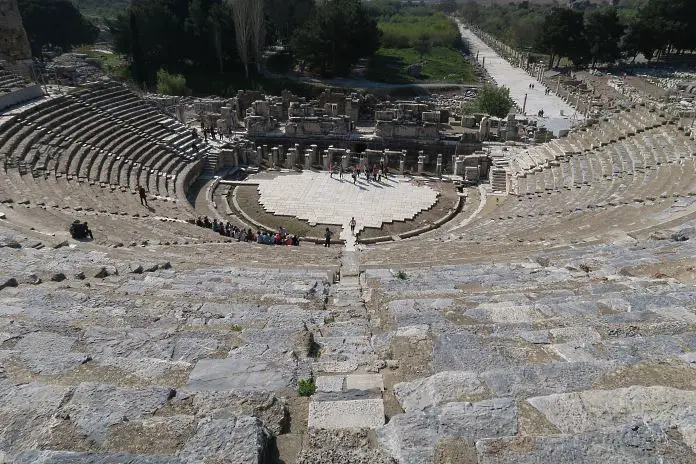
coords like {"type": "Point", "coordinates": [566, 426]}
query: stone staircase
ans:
{"type": "Point", "coordinates": [499, 180]}
{"type": "Point", "coordinates": [210, 166]}
{"type": "Point", "coordinates": [349, 388]}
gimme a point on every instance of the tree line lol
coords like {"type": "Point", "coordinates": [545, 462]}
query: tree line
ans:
{"type": "Point", "coordinates": [587, 34]}
{"type": "Point", "coordinates": [215, 36]}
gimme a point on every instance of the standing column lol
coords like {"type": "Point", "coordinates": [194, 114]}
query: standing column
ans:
{"type": "Point", "coordinates": [524, 105]}
{"type": "Point", "coordinates": [274, 156]}
{"type": "Point", "coordinates": [438, 166]}
{"type": "Point", "coordinates": [421, 162]}
{"type": "Point", "coordinates": [459, 166]}
{"type": "Point", "coordinates": [291, 158]}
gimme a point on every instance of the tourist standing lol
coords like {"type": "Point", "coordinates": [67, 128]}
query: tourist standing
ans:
{"type": "Point", "coordinates": [143, 195]}
{"type": "Point", "coordinates": [327, 237]}
{"type": "Point", "coordinates": [352, 225]}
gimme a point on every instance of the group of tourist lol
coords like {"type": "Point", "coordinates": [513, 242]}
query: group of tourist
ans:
{"type": "Point", "coordinates": [80, 231]}
{"type": "Point", "coordinates": [213, 132]}
{"type": "Point", "coordinates": [374, 172]}
{"type": "Point", "coordinates": [282, 237]}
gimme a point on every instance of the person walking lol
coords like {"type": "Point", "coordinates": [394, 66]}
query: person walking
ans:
{"type": "Point", "coordinates": [327, 237]}
{"type": "Point", "coordinates": [352, 225]}
{"type": "Point", "coordinates": [143, 195]}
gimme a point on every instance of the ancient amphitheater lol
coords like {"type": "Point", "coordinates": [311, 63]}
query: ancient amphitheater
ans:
{"type": "Point", "coordinates": [549, 320]}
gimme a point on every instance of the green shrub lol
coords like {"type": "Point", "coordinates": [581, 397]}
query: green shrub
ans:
{"type": "Point", "coordinates": [306, 387]}
{"type": "Point", "coordinates": [492, 100]}
{"type": "Point", "coordinates": [401, 275]}
{"type": "Point", "coordinates": [171, 84]}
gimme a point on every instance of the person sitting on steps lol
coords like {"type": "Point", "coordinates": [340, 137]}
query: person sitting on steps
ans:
{"type": "Point", "coordinates": [80, 231]}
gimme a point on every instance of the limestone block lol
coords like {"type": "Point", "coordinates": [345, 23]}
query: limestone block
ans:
{"type": "Point", "coordinates": [536, 379]}
{"type": "Point", "coordinates": [346, 414]}
{"type": "Point", "coordinates": [239, 373]}
{"type": "Point", "coordinates": [70, 457]}
{"type": "Point", "coordinates": [330, 383]}
{"type": "Point", "coordinates": [49, 353]}
{"type": "Point", "coordinates": [230, 404]}
{"type": "Point", "coordinates": [412, 437]}
{"type": "Point", "coordinates": [589, 410]}
{"type": "Point", "coordinates": [636, 443]}
{"type": "Point", "coordinates": [440, 388]}
{"type": "Point", "coordinates": [242, 439]}
{"type": "Point", "coordinates": [27, 411]}
{"type": "Point", "coordinates": [94, 407]}
{"type": "Point", "coordinates": [364, 382]}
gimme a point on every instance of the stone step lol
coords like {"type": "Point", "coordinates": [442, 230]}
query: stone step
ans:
{"type": "Point", "coordinates": [338, 341]}
{"type": "Point", "coordinates": [335, 366]}
{"type": "Point", "coordinates": [368, 413]}
{"type": "Point", "coordinates": [346, 329]}
{"type": "Point", "coordinates": [342, 383]}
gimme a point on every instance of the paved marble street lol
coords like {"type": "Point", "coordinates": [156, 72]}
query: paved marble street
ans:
{"type": "Point", "coordinates": [321, 199]}
{"type": "Point", "coordinates": [517, 80]}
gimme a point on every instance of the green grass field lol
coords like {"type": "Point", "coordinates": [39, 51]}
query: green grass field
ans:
{"type": "Point", "coordinates": [442, 62]}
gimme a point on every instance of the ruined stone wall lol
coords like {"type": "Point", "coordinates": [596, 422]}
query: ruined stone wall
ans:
{"type": "Point", "coordinates": [14, 44]}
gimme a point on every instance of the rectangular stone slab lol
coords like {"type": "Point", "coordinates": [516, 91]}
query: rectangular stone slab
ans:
{"type": "Point", "coordinates": [237, 374]}
{"type": "Point", "coordinates": [346, 414]}
{"type": "Point", "coordinates": [364, 382]}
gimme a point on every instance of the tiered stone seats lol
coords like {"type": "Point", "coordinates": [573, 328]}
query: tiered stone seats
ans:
{"type": "Point", "coordinates": [580, 353]}
{"type": "Point", "coordinates": [555, 326]}
{"type": "Point", "coordinates": [610, 131]}
{"type": "Point", "coordinates": [122, 361]}
{"type": "Point", "coordinates": [103, 134]}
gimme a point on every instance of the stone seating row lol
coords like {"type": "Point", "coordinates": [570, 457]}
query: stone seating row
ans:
{"type": "Point", "coordinates": [618, 128]}
{"type": "Point", "coordinates": [564, 332]}
{"type": "Point", "coordinates": [10, 82]}
{"type": "Point", "coordinates": [648, 149]}
{"type": "Point", "coordinates": [145, 335]}
{"type": "Point", "coordinates": [66, 137]}
{"type": "Point", "coordinates": [608, 192]}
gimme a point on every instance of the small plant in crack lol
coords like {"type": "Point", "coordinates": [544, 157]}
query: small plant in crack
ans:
{"type": "Point", "coordinates": [306, 387]}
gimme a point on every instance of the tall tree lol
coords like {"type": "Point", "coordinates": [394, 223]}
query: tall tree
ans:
{"type": "Point", "coordinates": [242, 28]}
{"type": "Point", "coordinates": [55, 22]}
{"type": "Point", "coordinates": [136, 51]}
{"type": "Point", "coordinates": [603, 31]}
{"type": "Point", "coordinates": [640, 37]}
{"type": "Point", "coordinates": [257, 21]}
{"type": "Point", "coordinates": [284, 16]}
{"type": "Point", "coordinates": [336, 36]}
{"type": "Point", "coordinates": [563, 35]}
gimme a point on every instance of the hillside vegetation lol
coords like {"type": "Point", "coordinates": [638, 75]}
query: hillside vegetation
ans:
{"type": "Point", "coordinates": [430, 40]}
